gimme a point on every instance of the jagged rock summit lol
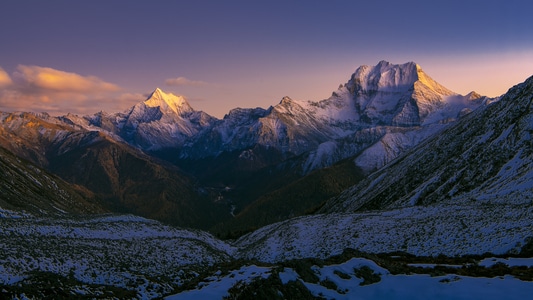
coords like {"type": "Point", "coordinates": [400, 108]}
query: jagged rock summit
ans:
{"type": "Point", "coordinates": [383, 110]}
{"type": "Point", "coordinates": [398, 95]}
{"type": "Point", "coordinates": [390, 77]}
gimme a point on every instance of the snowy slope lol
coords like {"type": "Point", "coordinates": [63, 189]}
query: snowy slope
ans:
{"type": "Point", "coordinates": [429, 230]}
{"type": "Point", "coordinates": [126, 252]}
{"type": "Point", "coordinates": [109, 254]}
{"type": "Point", "coordinates": [401, 286]}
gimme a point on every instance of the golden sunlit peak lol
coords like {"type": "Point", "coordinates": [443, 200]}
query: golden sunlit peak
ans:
{"type": "Point", "coordinates": [167, 101]}
{"type": "Point", "coordinates": [429, 82]}
{"type": "Point", "coordinates": [158, 93]}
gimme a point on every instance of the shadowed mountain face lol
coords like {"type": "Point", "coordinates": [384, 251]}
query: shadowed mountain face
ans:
{"type": "Point", "coordinates": [131, 182]}
{"type": "Point", "coordinates": [485, 157]}
{"type": "Point", "coordinates": [122, 178]}
{"type": "Point", "coordinates": [301, 197]}
{"type": "Point", "coordinates": [26, 187]}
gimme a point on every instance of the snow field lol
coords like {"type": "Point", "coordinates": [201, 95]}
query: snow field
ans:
{"type": "Point", "coordinates": [123, 251]}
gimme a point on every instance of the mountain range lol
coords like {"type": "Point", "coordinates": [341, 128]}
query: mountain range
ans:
{"type": "Point", "coordinates": [162, 159]}
{"type": "Point", "coordinates": [388, 176]}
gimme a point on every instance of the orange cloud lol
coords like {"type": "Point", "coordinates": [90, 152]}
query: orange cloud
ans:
{"type": "Point", "coordinates": [38, 89]}
{"type": "Point", "coordinates": [5, 80]}
{"type": "Point", "coordinates": [56, 80]}
{"type": "Point", "coordinates": [182, 81]}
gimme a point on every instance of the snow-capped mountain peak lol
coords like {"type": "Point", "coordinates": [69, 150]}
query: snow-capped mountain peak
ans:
{"type": "Point", "coordinates": [287, 105]}
{"type": "Point", "coordinates": [399, 95]}
{"type": "Point", "coordinates": [168, 102]}
{"type": "Point", "coordinates": [387, 77]}
{"type": "Point", "coordinates": [163, 120]}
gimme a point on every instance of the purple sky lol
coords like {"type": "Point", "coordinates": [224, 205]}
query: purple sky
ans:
{"type": "Point", "coordinates": [87, 56]}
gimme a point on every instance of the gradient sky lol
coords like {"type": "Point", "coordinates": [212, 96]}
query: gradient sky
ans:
{"type": "Point", "coordinates": [87, 56]}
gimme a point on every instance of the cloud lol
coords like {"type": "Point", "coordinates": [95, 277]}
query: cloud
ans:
{"type": "Point", "coordinates": [34, 77]}
{"type": "Point", "coordinates": [182, 81]}
{"type": "Point", "coordinates": [5, 80]}
{"type": "Point", "coordinates": [34, 88]}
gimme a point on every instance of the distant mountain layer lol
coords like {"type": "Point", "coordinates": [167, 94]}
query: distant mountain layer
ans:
{"type": "Point", "coordinates": [376, 103]}
{"type": "Point", "coordinates": [385, 97]}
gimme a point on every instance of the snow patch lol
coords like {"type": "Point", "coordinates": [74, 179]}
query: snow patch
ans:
{"type": "Point", "coordinates": [217, 286]}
